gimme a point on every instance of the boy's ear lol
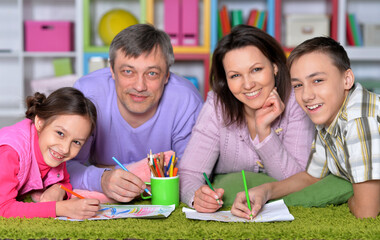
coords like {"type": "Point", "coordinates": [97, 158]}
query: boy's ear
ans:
{"type": "Point", "coordinates": [39, 123]}
{"type": "Point", "coordinates": [349, 79]}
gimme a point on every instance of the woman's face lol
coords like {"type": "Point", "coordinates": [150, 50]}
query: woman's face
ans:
{"type": "Point", "coordinates": [250, 76]}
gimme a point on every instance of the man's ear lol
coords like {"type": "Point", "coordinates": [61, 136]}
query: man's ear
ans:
{"type": "Point", "coordinates": [39, 123]}
{"type": "Point", "coordinates": [349, 79]}
{"type": "Point", "coordinates": [113, 75]}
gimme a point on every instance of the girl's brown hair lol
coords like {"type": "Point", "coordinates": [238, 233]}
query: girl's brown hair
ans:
{"type": "Point", "coordinates": [64, 101]}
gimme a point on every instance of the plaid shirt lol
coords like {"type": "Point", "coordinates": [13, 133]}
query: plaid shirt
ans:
{"type": "Point", "coordinates": [350, 146]}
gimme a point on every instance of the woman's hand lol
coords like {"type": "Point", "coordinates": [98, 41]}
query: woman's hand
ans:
{"type": "Point", "coordinates": [53, 193]}
{"type": "Point", "coordinates": [258, 196]}
{"type": "Point", "coordinates": [206, 200]}
{"type": "Point", "coordinates": [77, 208]}
{"type": "Point", "coordinates": [268, 113]}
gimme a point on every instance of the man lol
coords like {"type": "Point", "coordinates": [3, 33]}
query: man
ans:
{"type": "Point", "coordinates": [141, 107]}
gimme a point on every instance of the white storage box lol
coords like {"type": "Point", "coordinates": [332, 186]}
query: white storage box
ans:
{"type": "Point", "coordinates": [300, 27]}
{"type": "Point", "coordinates": [371, 34]}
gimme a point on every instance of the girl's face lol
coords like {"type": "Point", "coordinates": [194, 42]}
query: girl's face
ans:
{"type": "Point", "coordinates": [250, 76]}
{"type": "Point", "coordinates": [62, 138]}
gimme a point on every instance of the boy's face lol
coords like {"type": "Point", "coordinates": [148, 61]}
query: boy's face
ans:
{"type": "Point", "coordinates": [320, 88]}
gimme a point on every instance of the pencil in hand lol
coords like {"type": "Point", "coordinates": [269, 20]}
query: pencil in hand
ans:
{"type": "Point", "coordinates": [209, 184]}
{"type": "Point", "coordinates": [246, 193]}
{"type": "Point", "coordinates": [72, 192]}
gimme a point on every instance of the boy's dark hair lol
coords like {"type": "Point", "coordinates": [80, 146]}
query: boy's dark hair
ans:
{"type": "Point", "coordinates": [64, 101]}
{"type": "Point", "coordinates": [243, 36]}
{"type": "Point", "coordinates": [325, 45]}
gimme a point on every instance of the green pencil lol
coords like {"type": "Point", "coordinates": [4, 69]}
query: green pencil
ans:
{"type": "Point", "coordinates": [246, 192]}
{"type": "Point", "coordinates": [209, 184]}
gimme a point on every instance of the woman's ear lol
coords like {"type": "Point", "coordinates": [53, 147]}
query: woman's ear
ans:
{"type": "Point", "coordinates": [275, 69]}
{"type": "Point", "coordinates": [349, 79]}
{"type": "Point", "coordinates": [39, 123]}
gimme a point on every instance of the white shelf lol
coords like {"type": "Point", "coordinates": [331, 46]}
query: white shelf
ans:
{"type": "Point", "coordinates": [18, 67]}
{"type": "Point", "coordinates": [49, 54]}
{"type": "Point", "coordinates": [363, 53]}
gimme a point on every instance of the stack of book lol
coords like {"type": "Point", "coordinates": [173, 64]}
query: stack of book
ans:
{"type": "Point", "coordinates": [353, 30]}
{"type": "Point", "coordinates": [228, 20]}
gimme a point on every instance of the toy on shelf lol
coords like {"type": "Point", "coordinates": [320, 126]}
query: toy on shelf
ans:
{"type": "Point", "coordinates": [113, 22]}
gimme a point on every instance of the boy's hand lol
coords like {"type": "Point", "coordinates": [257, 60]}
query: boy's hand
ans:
{"type": "Point", "coordinates": [269, 112]}
{"type": "Point", "coordinates": [205, 199]}
{"type": "Point", "coordinates": [258, 197]}
{"type": "Point", "coordinates": [77, 208]}
{"type": "Point", "coordinates": [121, 185]}
{"type": "Point", "coordinates": [53, 193]}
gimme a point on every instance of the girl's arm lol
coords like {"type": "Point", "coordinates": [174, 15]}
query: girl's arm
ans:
{"type": "Point", "coordinates": [365, 202]}
{"type": "Point", "coordinates": [9, 207]}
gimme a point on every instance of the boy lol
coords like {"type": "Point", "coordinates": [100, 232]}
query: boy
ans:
{"type": "Point", "coordinates": [347, 118]}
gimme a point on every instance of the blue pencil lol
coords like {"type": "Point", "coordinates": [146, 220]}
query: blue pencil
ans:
{"type": "Point", "coordinates": [125, 169]}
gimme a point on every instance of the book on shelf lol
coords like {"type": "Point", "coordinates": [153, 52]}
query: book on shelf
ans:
{"type": "Point", "coordinates": [355, 29]}
{"type": "Point", "coordinates": [225, 21]}
{"type": "Point", "coordinates": [236, 17]}
{"type": "Point", "coordinates": [349, 33]}
{"type": "Point", "coordinates": [252, 19]}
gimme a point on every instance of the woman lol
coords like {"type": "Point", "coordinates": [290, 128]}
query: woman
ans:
{"type": "Point", "coordinates": [250, 120]}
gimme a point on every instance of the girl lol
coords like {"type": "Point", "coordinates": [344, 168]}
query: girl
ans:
{"type": "Point", "coordinates": [250, 120]}
{"type": "Point", "coordinates": [33, 155]}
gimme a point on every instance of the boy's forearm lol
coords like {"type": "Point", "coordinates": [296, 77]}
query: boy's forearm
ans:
{"type": "Point", "coordinates": [365, 203]}
{"type": "Point", "coordinates": [292, 184]}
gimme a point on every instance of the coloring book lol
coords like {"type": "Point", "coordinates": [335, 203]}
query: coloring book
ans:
{"type": "Point", "coordinates": [129, 211]}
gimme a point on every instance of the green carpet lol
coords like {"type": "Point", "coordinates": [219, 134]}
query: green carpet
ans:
{"type": "Point", "coordinates": [332, 222]}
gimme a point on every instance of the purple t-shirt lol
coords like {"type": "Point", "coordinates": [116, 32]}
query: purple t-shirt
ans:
{"type": "Point", "coordinates": [169, 129]}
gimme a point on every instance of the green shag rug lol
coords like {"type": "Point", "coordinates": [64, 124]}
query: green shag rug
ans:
{"type": "Point", "coordinates": [332, 222]}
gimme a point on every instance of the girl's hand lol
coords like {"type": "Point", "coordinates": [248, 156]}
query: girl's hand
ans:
{"type": "Point", "coordinates": [77, 208]}
{"type": "Point", "coordinates": [53, 193]}
{"type": "Point", "coordinates": [269, 112]}
{"type": "Point", "coordinates": [205, 199]}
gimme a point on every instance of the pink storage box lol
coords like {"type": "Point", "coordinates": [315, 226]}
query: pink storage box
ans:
{"type": "Point", "coordinates": [48, 36]}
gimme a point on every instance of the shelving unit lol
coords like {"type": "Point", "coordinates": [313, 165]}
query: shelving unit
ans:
{"type": "Point", "coordinates": [196, 58]}
{"type": "Point", "coordinates": [18, 67]}
{"type": "Point", "coordinates": [365, 60]}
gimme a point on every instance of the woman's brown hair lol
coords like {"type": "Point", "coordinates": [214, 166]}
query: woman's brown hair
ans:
{"type": "Point", "coordinates": [242, 36]}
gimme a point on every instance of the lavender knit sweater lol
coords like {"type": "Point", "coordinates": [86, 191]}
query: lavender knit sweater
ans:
{"type": "Point", "coordinates": [214, 147]}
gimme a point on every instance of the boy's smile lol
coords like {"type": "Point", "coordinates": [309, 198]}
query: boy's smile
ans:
{"type": "Point", "coordinates": [320, 88]}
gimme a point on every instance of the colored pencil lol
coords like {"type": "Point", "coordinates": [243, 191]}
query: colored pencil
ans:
{"type": "Point", "coordinates": [125, 169]}
{"type": "Point", "coordinates": [209, 184]}
{"type": "Point", "coordinates": [246, 192]}
{"type": "Point", "coordinates": [72, 192]}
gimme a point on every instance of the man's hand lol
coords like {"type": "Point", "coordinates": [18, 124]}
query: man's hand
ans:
{"type": "Point", "coordinates": [121, 185]}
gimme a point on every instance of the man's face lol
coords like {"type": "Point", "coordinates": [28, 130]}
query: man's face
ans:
{"type": "Point", "coordinates": [139, 85]}
{"type": "Point", "coordinates": [320, 88]}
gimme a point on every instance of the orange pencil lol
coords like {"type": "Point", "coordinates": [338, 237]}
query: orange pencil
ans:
{"type": "Point", "coordinates": [175, 170]}
{"type": "Point", "coordinates": [70, 191]}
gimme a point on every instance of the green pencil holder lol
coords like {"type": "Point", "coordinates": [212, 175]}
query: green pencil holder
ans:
{"type": "Point", "coordinates": [165, 191]}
